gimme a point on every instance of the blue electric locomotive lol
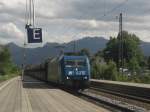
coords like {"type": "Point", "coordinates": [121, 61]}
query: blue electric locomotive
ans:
{"type": "Point", "coordinates": [72, 71]}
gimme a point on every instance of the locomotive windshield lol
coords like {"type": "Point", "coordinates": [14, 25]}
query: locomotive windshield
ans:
{"type": "Point", "coordinates": [75, 63]}
{"type": "Point", "coordinates": [81, 63]}
{"type": "Point", "coordinates": [69, 63]}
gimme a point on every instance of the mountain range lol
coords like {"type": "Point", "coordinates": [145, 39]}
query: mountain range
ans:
{"type": "Point", "coordinates": [39, 54]}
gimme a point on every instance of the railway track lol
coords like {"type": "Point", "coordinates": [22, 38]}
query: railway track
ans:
{"type": "Point", "coordinates": [109, 99]}
{"type": "Point", "coordinates": [116, 100]}
{"type": "Point", "coordinates": [111, 104]}
{"type": "Point", "coordinates": [108, 103]}
{"type": "Point", "coordinates": [131, 97]}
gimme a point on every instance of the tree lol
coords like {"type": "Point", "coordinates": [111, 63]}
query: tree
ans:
{"type": "Point", "coordinates": [148, 62]}
{"type": "Point", "coordinates": [111, 50]}
{"type": "Point", "coordinates": [99, 53]}
{"type": "Point", "coordinates": [84, 51]}
{"type": "Point", "coordinates": [111, 71]}
{"type": "Point", "coordinates": [131, 49]}
{"type": "Point", "coordinates": [6, 64]}
{"type": "Point", "coordinates": [101, 70]}
{"type": "Point", "coordinates": [98, 68]}
{"type": "Point", "coordinates": [133, 65]}
{"type": "Point", "coordinates": [5, 55]}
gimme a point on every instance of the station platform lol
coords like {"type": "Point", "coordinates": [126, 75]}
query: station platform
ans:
{"type": "Point", "coordinates": [35, 96]}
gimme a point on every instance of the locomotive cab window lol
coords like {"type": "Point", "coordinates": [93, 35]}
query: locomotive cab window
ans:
{"type": "Point", "coordinates": [69, 63]}
{"type": "Point", "coordinates": [81, 63]}
{"type": "Point", "coordinates": [75, 63]}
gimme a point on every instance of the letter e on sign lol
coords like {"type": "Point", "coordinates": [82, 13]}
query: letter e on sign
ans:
{"type": "Point", "coordinates": [34, 35]}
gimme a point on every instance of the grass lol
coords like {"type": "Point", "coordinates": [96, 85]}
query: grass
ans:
{"type": "Point", "coordinates": [8, 76]}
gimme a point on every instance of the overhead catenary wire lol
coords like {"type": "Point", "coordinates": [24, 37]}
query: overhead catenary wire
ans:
{"type": "Point", "coordinates": [104, 7]}
{"type": "Point", "coordinates": [117, 7]}
{"type": "Point", "coordinates": [109, 12]}
{"type": "Point", "coordinates": [106, 13]}
{"type": "Point", "coordinates": [33, 12]}
{"type": "Point", "coordinates": [30, 12]}
{"type": "Point", "coordinates": [26, 13]}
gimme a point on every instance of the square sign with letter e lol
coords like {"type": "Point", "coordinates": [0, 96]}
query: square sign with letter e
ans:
{"type": "Point", "coordinates": [34, 35]}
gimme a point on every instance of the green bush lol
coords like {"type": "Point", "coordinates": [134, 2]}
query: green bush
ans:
{"type": "Point", "coordinates": [7, 68]}
{"type": "Point", "coordinates": [104, 70]}
{"type": "Point", "coordinates": [111, 71]}
{"type": "Point", "coordinates": [98, 71]}
{"type": "Point", "coordinates": [7, 76]}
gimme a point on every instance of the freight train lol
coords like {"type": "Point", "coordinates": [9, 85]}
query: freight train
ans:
{"type": "Point", "coordinates": [70, 71]}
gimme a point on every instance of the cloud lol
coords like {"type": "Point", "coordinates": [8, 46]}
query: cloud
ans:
{"type": "Point", "coordinates": [10, 32]}
{"type": "Point", "coordinates": [65, 20]}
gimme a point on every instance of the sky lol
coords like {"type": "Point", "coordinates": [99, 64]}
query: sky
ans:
{"type": "Point", "coordinates": [67, 20]}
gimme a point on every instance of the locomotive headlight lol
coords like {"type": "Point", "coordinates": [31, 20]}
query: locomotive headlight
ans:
{"type": "Point", "coordinates": [70, 73]}
{"type": "Point", "coordinates": [85, 77]}
{"type": "Point", "coordinates": [76, 69]}
{"type": "Point", "coordinates": [67, 77]}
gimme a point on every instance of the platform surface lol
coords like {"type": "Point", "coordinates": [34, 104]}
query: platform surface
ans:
{"type": "Point", "coordinates": [35, 96]}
